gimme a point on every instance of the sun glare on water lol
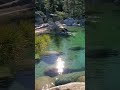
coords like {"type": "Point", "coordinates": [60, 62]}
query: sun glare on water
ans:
{"type": "Point", "coordinates": [60, 65]}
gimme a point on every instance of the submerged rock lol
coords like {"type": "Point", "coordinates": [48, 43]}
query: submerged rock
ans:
{"type": "Point", "coordinates": [67, 78]}
{"type": "Point", "coordinates": [49, 58]}
{"type": "Point", "coordinates": [52, 72]}
{"type": "Point", "coordinates": [76, 48]}
{"type": "Point", "coordinates": [44, 82]}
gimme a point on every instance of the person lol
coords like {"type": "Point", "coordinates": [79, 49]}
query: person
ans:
{"type": "Point", "coordinates": [60, 65]}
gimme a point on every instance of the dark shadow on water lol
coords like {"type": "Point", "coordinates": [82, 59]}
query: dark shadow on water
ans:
{"type": "Point", "coordinates": [57, 40]}
{"type": "Point", "coordinates": [76, 48]}
{"type": "Point", "coordinates": [53, 71]}
{"type": "Point", "coordinates": [50, 59]}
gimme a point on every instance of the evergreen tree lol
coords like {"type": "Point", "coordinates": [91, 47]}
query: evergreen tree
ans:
{"type": "Point", "coordinates": [72, 8]}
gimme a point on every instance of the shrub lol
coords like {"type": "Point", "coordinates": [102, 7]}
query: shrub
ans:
{"type": "Point", "coordinates": [41, 43]}
{"type": "Point", "coordinates": [61, 15]}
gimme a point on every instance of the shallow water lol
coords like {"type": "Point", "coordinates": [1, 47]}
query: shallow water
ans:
{"type": "Point", "coordinates": [72, 52]}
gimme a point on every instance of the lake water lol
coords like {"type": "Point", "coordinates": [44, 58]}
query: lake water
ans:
{"type": "Point", "coordinates": [72, 52]}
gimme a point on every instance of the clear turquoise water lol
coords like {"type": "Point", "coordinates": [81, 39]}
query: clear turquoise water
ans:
{"type": "Point", "coordinates": [74, 59]}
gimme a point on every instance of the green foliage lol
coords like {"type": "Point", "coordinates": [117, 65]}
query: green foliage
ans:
{"type": "Point", "coordinates": [72, 8]}
{"type": "Point", "coordinates": [61, 15]}
{"type": "Point", "coordinates": [51, 5]}
{"type": "Point", "coordinates": [39, 5]}
{"type": "Point", "coordinates": [41, 43]}
{"type": "Point", "coordinates": [40, 13]}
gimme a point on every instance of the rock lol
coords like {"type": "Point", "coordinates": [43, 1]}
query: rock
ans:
{"type": "Point", "coordinates": [52, 25]}
{"type": "Point", "coordinates": [69, 21]}
{"type": "Point", "coordinates": [70, 86]}
{"type": "Point", "coordinates": [67, 78]}
{"type": "Point", "coordinates": [59, 25]}
{"type": "Point", "coordinates": [52, 72]}
{"type": "Point", "coordinates": [82, 22]}
{"type": "Point", "coordinates": [81, 79]}
{"type": "Point", "coordinates": [75, 24]}
{"type": "Point", "coordinates": [38, 18]}
{"type": "Point", "coordinates": [44, 82]}
{"type": "Point", "coordinates": [49, 59]}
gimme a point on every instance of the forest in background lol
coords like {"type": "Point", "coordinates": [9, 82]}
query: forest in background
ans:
{"type": "Point", "coordinates": [63, 8]}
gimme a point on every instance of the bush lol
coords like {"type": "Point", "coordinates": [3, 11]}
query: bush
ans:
{"type": "Point", "coordinates": [61, 15]}
{"type": "Point", "coordinates": [41, 43]}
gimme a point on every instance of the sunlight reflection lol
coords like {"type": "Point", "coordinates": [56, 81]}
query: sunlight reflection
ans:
{"type": "Point", "coordinates": [60, 65]}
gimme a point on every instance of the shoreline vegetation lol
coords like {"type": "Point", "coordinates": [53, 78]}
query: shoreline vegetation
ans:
{"type": "Point", "coordinates": [42, 41]}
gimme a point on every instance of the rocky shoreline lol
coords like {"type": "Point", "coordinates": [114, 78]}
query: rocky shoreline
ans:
{"type": "Point", "coordinates": [70, 86]}
{"type": "Point", "coordinates": [71, 81]}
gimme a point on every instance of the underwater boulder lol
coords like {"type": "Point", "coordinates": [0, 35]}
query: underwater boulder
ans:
{"type": "Point", "coordinates": [49, 59]}
{"type": "Point", "coordinates": [76, 48]}
{"type": "Point", "coordinates": [52, 72]}
{"type": "Point", "coordinates": [67, 78]}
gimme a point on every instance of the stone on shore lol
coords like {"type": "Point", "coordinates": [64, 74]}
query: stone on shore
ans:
{"type": "Point", "coordinates": [81, 79]}
{"type": "Point", "coordinates": [44, 82]}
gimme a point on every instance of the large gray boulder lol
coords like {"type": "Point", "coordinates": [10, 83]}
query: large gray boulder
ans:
{"type": "Point", "coordinates": [39, 17]}
{"type": "Point", "coordinates": [82, 22]}
{"type": "Point", "coordinates": [52, 25]}
{"type": "Point", "coordinates": [69, 21]}
{"type": "Point", "coordinates": [67, 78]}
